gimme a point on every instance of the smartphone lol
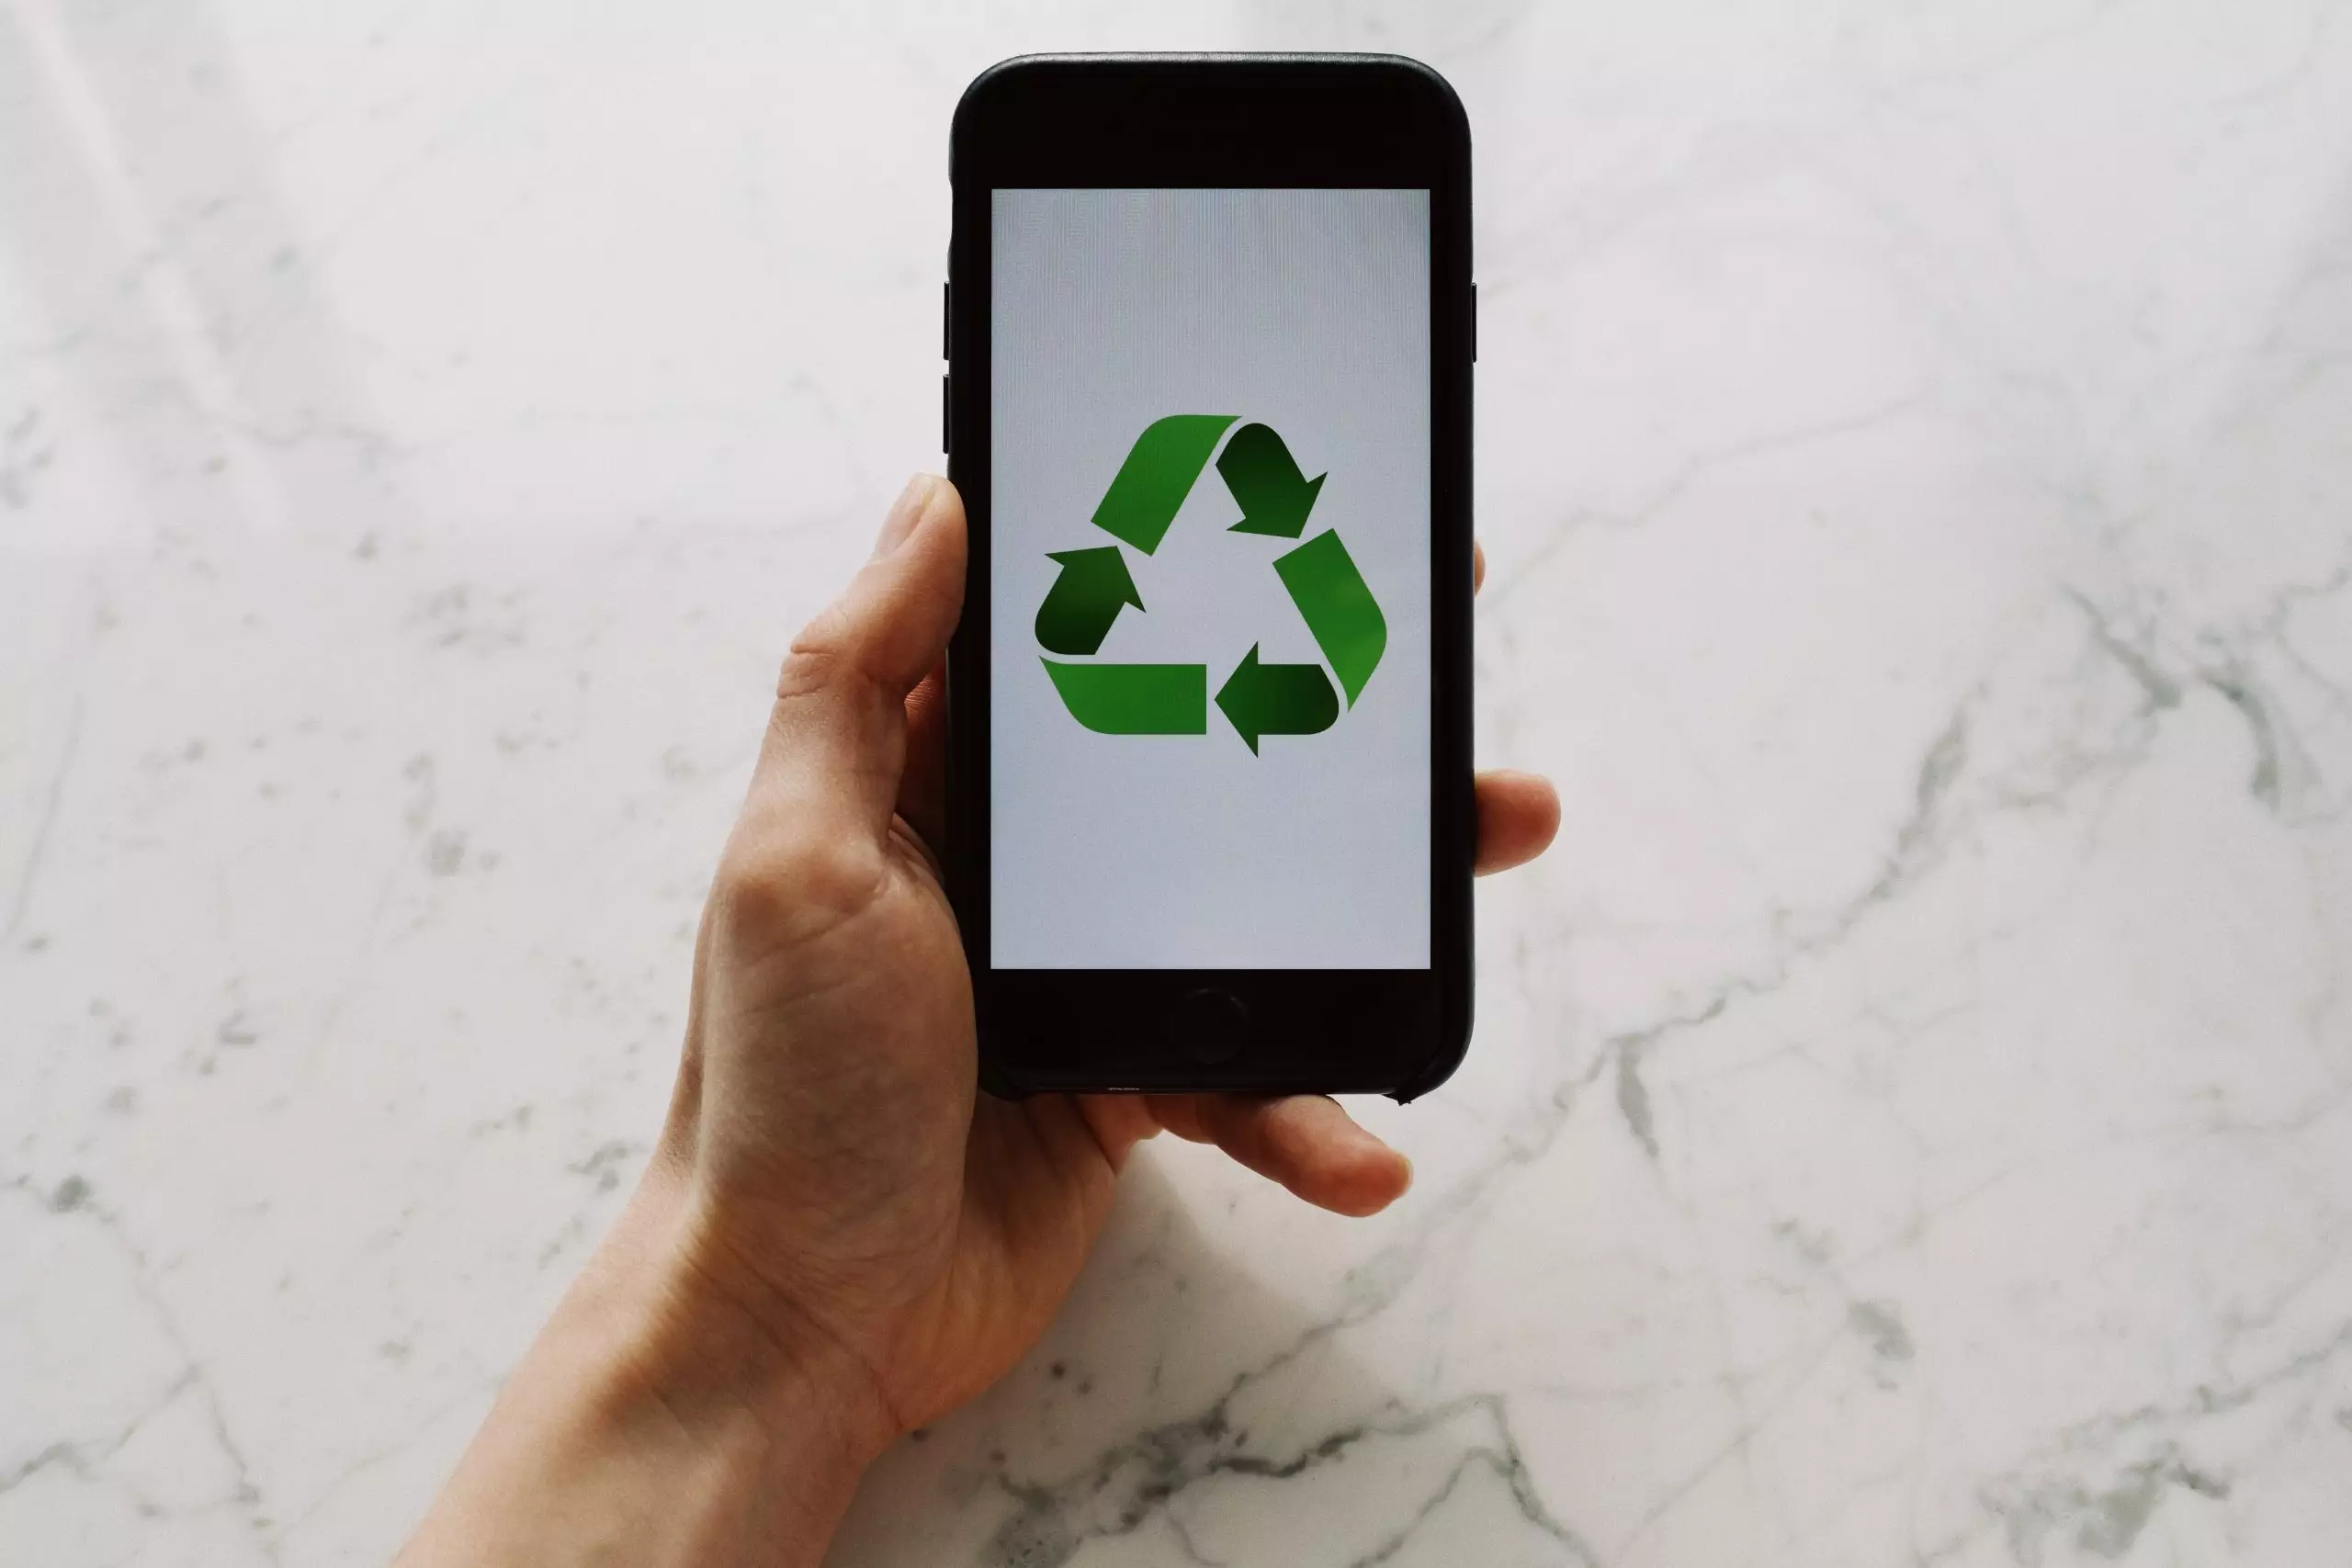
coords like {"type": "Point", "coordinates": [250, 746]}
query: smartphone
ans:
{"type": "Point", "coordinates": [1209, 330]}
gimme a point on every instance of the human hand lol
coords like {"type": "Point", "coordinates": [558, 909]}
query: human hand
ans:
{"type": "Point", "coordinates": [836, 1223]}
{"type": "Point", "coordinates": [851, 1184]}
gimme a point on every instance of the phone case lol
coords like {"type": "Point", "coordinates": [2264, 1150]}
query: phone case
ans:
{"type": "Point", "coordinates": [1273, 122]}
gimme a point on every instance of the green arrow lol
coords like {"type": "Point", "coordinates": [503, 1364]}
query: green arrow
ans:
{"type": "Point", "coordinates": [1274, 496]}
{"type": "Point", "coordinates": [1278, 699]}
{"type": "Point", "coordinates": [1340, 610]}
{"type": "Point", "coordinates": [1159, 473]}
{"type": "Point", "coordinates": [1085, 599]}
{"type": "Point", "coordinates": [1135, 699]}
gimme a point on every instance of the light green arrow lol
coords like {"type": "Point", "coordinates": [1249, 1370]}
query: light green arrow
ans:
{"type": "Point", "coordinates": [1135, 699]}
{"type": "Point", "coordinates": [1339, 609]}
{"type": "Point", "coordinates": [1159, 473]}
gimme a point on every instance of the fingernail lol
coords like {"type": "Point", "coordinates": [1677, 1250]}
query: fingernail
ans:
{"type": "Point", "coordinates": [905, 513]}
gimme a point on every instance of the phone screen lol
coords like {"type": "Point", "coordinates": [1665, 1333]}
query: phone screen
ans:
{"type": "Point", "coordinates": [1209, 556]}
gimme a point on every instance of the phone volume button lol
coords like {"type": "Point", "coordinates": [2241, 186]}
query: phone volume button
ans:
{"type": "Point", "coordinates": [947, 413]}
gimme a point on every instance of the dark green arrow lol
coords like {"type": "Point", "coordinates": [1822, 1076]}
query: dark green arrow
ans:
{"type": "Point", "coordinates": [1085, 599]}
{"type": "Point", "coordinates": [1274, 496]}
{"type": "Point", "coordinates": [1159, 473]}
{"type": "Point", "coordinates": [1340, 610]}
{"type": "Point", "coordinates": [1278, 699]}
{"type": "Point", "coordinates": [1135, 699]}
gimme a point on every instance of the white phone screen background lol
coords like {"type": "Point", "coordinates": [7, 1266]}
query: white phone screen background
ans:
{"type": "Point", "coordinates": [1306, 310]}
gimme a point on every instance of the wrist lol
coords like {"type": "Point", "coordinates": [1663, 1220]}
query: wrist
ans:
{"type": "Point", "coordinates": [709, 1334]}
{"type": "Point", "coordinates": [655, 1421]}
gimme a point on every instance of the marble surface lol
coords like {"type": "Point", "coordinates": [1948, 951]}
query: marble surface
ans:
{"type": "Point", "coordinates": [1907, 1123]}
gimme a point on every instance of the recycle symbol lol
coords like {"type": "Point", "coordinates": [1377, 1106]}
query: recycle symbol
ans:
{"type": "Point", "coordinates": [1173, 699]}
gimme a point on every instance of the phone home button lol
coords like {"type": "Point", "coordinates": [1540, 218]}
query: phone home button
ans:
{"type": "Point", "coordinates": [1210, 1025]}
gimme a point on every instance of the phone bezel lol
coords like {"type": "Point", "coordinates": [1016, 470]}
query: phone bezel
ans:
{"type": "Point", "coordinates": [1165, 122]}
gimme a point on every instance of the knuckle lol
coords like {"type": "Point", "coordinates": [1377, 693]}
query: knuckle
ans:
{"type": "Point", "coordinates": [807, 671]}
{"type": "Point", "coordinates": [792, 886]}
{"type": "Point", "coordinates": [820, 657]}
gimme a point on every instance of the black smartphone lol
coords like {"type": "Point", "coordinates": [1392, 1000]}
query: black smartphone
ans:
{"type": "Point", "coordinates": [1210, 326]}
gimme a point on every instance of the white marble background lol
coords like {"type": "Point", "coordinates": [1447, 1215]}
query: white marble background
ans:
{"type": "Point", "coordinates": [1908, 1120]}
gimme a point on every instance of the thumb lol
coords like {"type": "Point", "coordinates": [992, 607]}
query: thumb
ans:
{"type": "Point", "coordinates": [836, 741]}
